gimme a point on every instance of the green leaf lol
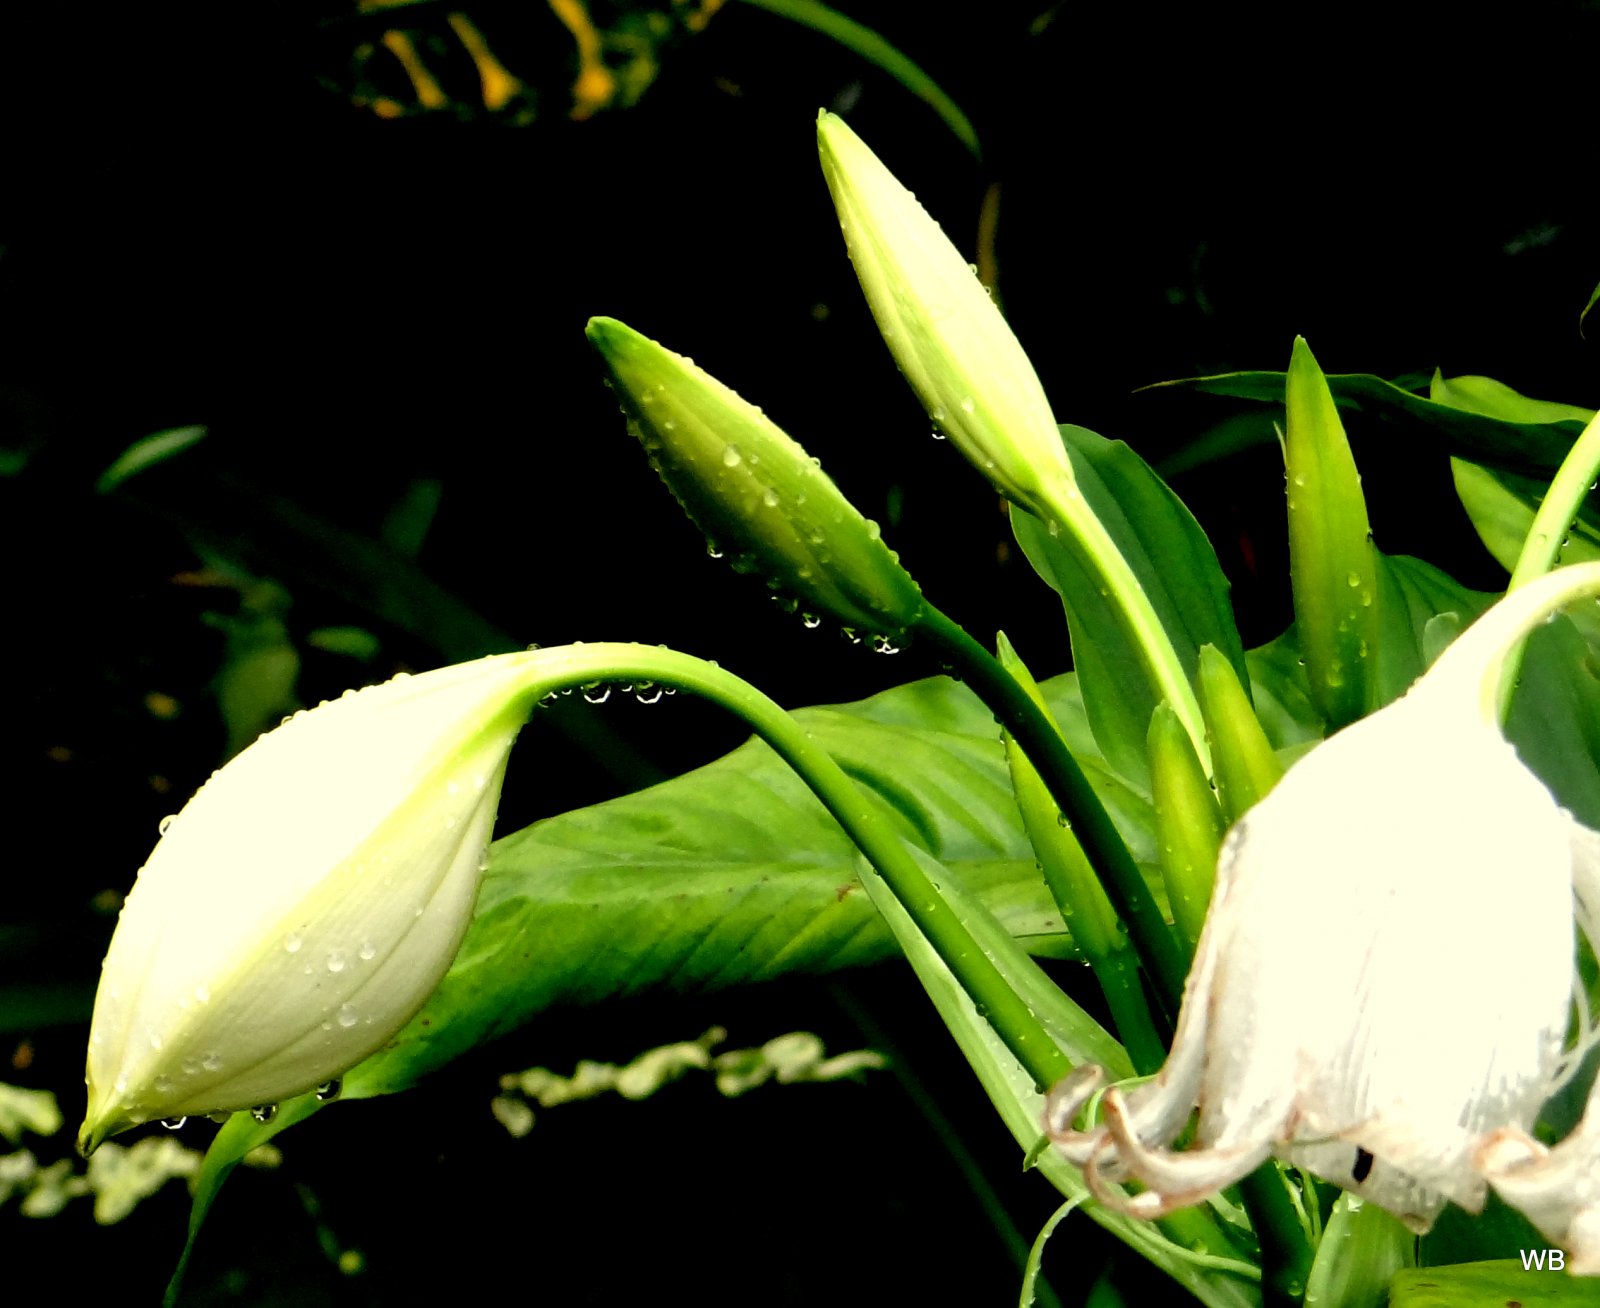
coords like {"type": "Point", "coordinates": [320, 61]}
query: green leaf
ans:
{"type": "Point", "coordinates": [873, 49]}
{"type": "Point", "coordinates": [1361, 1250]}
{"type": "Point", "coordinates": [146, 453]}
{"type": "Point", "coordinates": [1593, 300]}
{"type": "Point", "coordinates": [1331, 563]}
{"type": "Point", "coordinates": [1493, 399]}
{"type": "Point", "coordinates": [1528, 447]}
{"type": "Point", "coordinates": [1490, 1285]}
{"type": "Point", "coordinates": [1174, 563]}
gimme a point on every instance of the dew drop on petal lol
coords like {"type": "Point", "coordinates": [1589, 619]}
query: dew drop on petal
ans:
{"type": "Point", "coordinates": [173, 1123]}
{"type": "Point", "coordinates": [292, 942]}
{"type": "Point", "coordinates": [367, 952]}
{"type": "Point", "coordinates": [348, 1016]}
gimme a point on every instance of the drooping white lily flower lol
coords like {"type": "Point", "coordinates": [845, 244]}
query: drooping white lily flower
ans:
{"type": "Point", "coordinates": [307, 900]}
{"type": "Point", "coordinates": [1382, 988]}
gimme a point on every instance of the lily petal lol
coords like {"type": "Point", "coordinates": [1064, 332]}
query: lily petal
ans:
{"type": "Point", "coordinates": [1410, 859]}
{"type": "Point", "coordinates": [306, 901]}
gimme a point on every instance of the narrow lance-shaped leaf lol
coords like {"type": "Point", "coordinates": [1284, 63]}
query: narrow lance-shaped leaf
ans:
{"type": "Point", "coordinates": [1331, 563]}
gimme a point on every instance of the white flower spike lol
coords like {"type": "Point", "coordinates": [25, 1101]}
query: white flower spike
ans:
{"type": "Point", "coordinates": [307, 900]}
{"type": "Point", "coordinates": [1410, 855]}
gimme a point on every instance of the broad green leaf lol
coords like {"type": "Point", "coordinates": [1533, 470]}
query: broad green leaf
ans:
{"type": "Point", "coordinates": [1527, 447]}
{"type": "Point", "coordinates": [1176, 566]}
{"type": "Point", "coordinates": [1491, 1285]}
{"type": "Point", "coordinates": [1331, 558]}
{"type": "Point", "coordinates": [734, 873]}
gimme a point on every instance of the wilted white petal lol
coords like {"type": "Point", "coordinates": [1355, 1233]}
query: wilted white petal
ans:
{"type": "Point", "coordinates": [307, 900]}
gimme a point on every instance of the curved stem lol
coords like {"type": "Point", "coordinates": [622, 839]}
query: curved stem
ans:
{"type": "Point", "coordinates": [1101, 557]}
{"type": "Point", "coordinates": [1119, 874]}
{"type": "Point", "coordinates": [1551, 523]}
{"type": "Point", "coordinates": [1013, 1020]}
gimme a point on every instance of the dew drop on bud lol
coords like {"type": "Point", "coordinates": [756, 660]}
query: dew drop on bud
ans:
{"type": "Point", "coordinates": [264, 1112]}
{"type": "Point", "coordinates": [348, 1016]}
{"type": "Point", "coordinates": [367, 951]}
{"type": "Point", "coordinates": [330, 1090]}
{"type": "Point", "coordinates": [173, 1123]}
{"type": "Point", "coordinates": [292, 942]}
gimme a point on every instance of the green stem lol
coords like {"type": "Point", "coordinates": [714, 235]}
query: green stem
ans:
{"type": "Point", "coordinates": [1552, 522]}
{"type": "Point", "coordinates": [863, 821]}
{"type": "Point", "coordinates": [1285, 1252]}
{"type": "Point", "coordinates": [1101, 557]}
{"type": "Point", "coordinates": [1091, 824]}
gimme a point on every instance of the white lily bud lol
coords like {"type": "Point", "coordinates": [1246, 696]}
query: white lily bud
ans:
{"type": "Point", "coordinates": [962, 360]}
{"type": "Point", "coordinates": [1384, 980]}
{"type": "Point", "coordinates": [307, 900]}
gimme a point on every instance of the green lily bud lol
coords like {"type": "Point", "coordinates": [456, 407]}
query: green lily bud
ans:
{"type": "Point", "coordinates": [1188, 824]}
{"type": "Point", "coordinates": [308, 899]}
{"type": "Point", "coordinates": [955, 349]}
{"type": "Point", "coordinates": [1246, 767]}
{"type": "Point", "coordinates": [753, 490]}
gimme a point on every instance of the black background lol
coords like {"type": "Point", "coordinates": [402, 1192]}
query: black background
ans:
{"type": "Point", "coordinates": [196, 230]}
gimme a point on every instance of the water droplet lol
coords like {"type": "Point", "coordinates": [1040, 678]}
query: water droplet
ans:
{"type": "Point", "coordinates": [163, 1085]}
{"type": "Point", "coordinates": [336, 961]}
{"type": "Point", "coordinates": [202, 993]}
{"type": "Point", "coordinates": [810, 621]}
{"type": "Point", "coordinates": [937, 434]}
{"type": "Point", "coordinates": [173, 1123]}
{"type": "Point", "coordinates": [849, 633]}
{"type": "Point", "coordinates": [348, 1016]}
{"type": "Point", "coordinates": [968, 404]}
{"type": "Point", "coordinates": [330, 1090]}
{"type": "Point", "coordinates": [712, 550]}
{"type": "Point", "coordinates": [212, 1062]}
{"type": "Point", "coordinates": [647, 693]}
{"type": "Point", "coordinates": [155, 1040]}
{"type": "Point", "coordinates": [1062, 820]}
{"type": "Point", "coordinates": [165, 825]}
{"type": "Point", "coordinates": [264, 1112]}
{"type": "Point", "coordinates": [1353, 580]}
{"type": "Point", "coordinates": [883, 645]}
{"type": "Point", "coordinates": [292, 942]}
{"type": "Point", "coordinates": [597, 692]}
{"type": "Point", "coordinates": [769, 497]}
{"type": "Point", "coordinates": [731, 458]}
{"type": "Point", "coordinates": [367, 952]}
